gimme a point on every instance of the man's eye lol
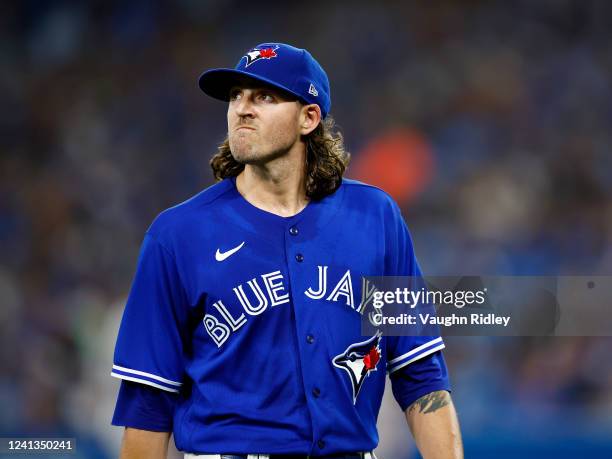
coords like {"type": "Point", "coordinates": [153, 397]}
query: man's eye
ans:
{"type": "Point", "coordinates": [235, 95]}
{"type": "Point", "coordinates": [266, 97]}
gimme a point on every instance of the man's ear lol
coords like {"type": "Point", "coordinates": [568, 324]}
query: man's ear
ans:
{"type": "Point", "coordinates": [309, 118]}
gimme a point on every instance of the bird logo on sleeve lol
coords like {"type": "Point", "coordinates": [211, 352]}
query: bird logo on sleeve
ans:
{"type": "Point", "coordinates": [358, 360]}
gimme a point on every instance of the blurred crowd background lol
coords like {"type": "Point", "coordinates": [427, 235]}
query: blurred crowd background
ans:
{"type": "Point", "coordinates": [489, 122]}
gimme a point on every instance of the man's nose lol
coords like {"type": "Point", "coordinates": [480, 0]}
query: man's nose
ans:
{"type": "Point", "coordinates": [244, 106]}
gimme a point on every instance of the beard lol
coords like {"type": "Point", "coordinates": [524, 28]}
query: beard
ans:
{"type": "Point", "coordinates": [247, 149]}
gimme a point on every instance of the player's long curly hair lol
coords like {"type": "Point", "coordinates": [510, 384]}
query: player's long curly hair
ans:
{"type": "Point", "coordinates": [326, 160]}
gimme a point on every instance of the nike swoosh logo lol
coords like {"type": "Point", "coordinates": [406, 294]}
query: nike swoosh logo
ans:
{"type": "Point", "coordinates": [220, 256]}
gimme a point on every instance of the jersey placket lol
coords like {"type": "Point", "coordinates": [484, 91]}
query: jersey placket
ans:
{"type": "Point", "coordinates": [305, 339]}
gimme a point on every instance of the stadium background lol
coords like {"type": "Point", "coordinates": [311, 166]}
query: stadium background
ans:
{"type": "Point", "coordinates": [490, 123]}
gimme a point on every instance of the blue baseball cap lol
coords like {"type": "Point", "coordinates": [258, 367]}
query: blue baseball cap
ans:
{"type": "Point", "coordinates": [283, 66]}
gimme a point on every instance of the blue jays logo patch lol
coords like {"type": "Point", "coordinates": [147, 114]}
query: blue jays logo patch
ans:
{"type": "Point", "coordinates": [358, 360]}
{"type": "Point", "coordinates": [256, 54]}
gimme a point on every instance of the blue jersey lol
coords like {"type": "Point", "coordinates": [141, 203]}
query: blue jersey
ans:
{"type": "Point", "coordinates": [254, 320]}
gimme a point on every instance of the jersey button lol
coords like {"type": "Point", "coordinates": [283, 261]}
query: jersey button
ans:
{"type": "Point", "coordinates": [321, 444]}
{"type": "Point", "coordinates": [293, 231]}
{"type": "Point", "coordinates": [299, 257]}
{"type": "Point", "coordinates": [309, 339]}
{"type": "Point", "coordinates": [316, 392]}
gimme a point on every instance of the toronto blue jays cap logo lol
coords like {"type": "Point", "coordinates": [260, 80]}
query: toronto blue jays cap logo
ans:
{"type": "Point", "coordinates": [260, 53]}
{"type": "Point", "coordinates": [358, 360]}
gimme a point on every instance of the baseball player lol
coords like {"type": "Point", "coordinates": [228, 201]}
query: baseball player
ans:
{"type": "Point", "coordinates": [241, 333]}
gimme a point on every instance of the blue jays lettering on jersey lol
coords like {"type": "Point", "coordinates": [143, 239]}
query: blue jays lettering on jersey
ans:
{"type": "Point", "coordinates": [254, 319]}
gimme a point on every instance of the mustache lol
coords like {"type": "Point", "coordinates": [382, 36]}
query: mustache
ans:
{"type": "Point", "coordinates": [240, 125]}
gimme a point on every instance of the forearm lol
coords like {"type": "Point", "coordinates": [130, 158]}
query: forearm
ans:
{"type": "Point", "coordinates": [433, 422]}
{"type": "Point", "coordinates": [144, 444]}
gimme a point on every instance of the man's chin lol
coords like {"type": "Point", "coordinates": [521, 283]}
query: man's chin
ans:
{"type": "Point", "coordinates": [246, 158]}
{"type": "Point", "coordinates": [255, 158]}
{"type": "Point", "coordinates": [243, 153]}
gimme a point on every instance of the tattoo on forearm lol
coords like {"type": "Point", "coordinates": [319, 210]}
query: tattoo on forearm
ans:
{"type": "Point", "coordinates": [431, 402]}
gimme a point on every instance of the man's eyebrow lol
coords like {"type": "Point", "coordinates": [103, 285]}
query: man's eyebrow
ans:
{"type": "Point", "coordinates": [258, 88]}
{"type": "Point", "coordinates": [254, 88]}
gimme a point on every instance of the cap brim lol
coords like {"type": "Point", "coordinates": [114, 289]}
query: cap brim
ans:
{"type": "Point", "coordinates": [217, 83]}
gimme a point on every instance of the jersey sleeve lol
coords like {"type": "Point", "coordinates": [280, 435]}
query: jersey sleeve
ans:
{"type": "Point", "coordinates": [144, 407]}
{"type": "Point", "coordinates": [149, 348]}
{"type": "Point", "coordinates": [415, 364]}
